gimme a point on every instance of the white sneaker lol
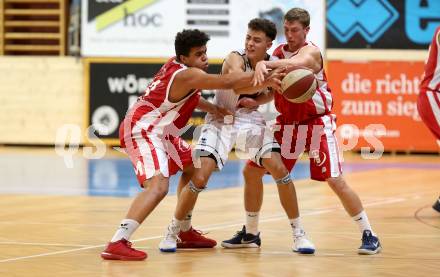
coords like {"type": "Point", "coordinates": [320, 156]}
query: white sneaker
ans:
{"type": "Point", "coordinates": [169, 242]}
{"type": "Point", "coordinates": [302, 245]}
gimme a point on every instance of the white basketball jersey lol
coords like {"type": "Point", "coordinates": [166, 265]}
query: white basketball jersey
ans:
{"type": "Point", "coordinates": [227, 98]}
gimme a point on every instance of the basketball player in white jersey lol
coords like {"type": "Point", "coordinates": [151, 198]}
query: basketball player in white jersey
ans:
{"type": "Point", "coordinates": [150, 131]}
{"type": "Point", "coordinates": [428, 103]}
{"type": "Point", "coordinates": [218, 137]}
{"type": "Point", "coordinates": [311, 125]}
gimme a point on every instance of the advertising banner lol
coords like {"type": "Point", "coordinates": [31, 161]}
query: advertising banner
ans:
{"type": "Point", "coordinates": [381, 24]}
{"type": "Point", "coordinates": [146, 28]}
{"type": "Point", "coordinates": [367, 95]}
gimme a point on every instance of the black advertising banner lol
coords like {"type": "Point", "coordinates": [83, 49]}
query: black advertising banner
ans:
{"type": "Point", "coordinates": [381, 24]}
{"type": "Point", "coordinates": [115, 85]}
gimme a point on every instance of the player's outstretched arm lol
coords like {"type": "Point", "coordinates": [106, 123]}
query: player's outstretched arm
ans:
{"type": "Point", "coordinates": [194, 78]}
{"type": "Point", "coordinates": [308, 56]}
{"type": "Point", "coordinates": [271, 80]}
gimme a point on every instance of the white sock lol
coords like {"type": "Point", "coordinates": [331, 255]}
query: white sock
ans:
{"type": "Point", "coordinates": [186, 223]}
{"type": "Point", "coordinates": [176, 223]}
{"type": "Point", "coordinates": [252, 222]}
{"type": "Point", "coordinates": [125, 230]}
{"type": "Point", "coordinates": [297, 228]}
{"type": "Point", "coordinates": [362, 221]}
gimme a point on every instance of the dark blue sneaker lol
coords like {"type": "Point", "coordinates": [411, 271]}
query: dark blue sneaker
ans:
{"type": "Point", "coordinates": [436, 205]}
{"type": "Point", "coordinates": [370, 244]}
{"type": "Point", "coordinates": [243, 240]}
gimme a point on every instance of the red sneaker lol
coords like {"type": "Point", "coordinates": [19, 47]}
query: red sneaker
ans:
{"type": "Point", "coordinates": [194, 239]}
{"type": "Point", "coordinates": [122, 250]}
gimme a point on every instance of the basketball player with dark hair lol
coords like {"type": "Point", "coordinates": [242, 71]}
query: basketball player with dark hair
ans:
{"type": "Point", "coordinates": [150, 131]}
{"type": "Point", "coordinates": [428, 102]}
{"type": "Point", "coordinates": [217, 139]}
{"type": "Point", "coordinates": [311, 125]}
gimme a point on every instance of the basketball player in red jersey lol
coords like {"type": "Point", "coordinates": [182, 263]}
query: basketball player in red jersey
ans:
{"type": "Point", "coordinates": [150, 131]}
{"type": "Point", "coordinates": [310, 125]}
{"type": "Point", "coordinates": [428, 102]}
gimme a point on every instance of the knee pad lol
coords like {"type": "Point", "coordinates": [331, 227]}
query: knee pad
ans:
{"type": "Point", "coordinates": [284, 181]}
{"type": "Point", "coordinates": [194, 189]}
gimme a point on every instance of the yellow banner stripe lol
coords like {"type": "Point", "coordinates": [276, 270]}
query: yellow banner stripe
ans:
{"type": "Point", "coordinates": [117, 13]}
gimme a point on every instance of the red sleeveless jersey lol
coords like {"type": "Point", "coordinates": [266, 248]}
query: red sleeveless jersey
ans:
{"type": "Point", "coordinates": [153, 112]}
{"type": "Point", "coordinates": [320, 104]}
{"type": "Point", "coordinates": [431, 78]}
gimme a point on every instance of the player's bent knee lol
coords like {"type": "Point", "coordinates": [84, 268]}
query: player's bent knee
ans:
{"type": "Point", "coordinates": [159, 192]}
{"type": "Point", "coordinates": [195, 189]}
{"type": "Point", "coordinates": [284, 181]}
{"type": "Point", "coordinates": [199, 181]}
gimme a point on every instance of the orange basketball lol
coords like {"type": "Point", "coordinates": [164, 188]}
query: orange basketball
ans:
{"type": "Point", "coordinates": [299, 84]}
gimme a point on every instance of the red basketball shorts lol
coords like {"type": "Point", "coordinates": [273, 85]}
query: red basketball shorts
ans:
{"type": "Point", "coordinates": [317, 136]}
{"type": "Point", "coordinates": [151, 154]}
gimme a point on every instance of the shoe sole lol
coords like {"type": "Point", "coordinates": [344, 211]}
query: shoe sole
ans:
{"type": "Point", "coordinates": [109, 256]}
{"type": "Point", "coordinates": [194, 244]}
{"type": "Point", "coordinates": [233, 246]}
{"type": "Point", "coordinates": [167, 250]}
{"type": "Point", "coordinates": [369, 252]}
{"type": "Point", "coordinates": [307, 251]}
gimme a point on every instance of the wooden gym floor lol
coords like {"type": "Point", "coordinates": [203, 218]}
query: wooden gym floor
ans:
{"type": "Point", "coordinates": [53, 222]}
